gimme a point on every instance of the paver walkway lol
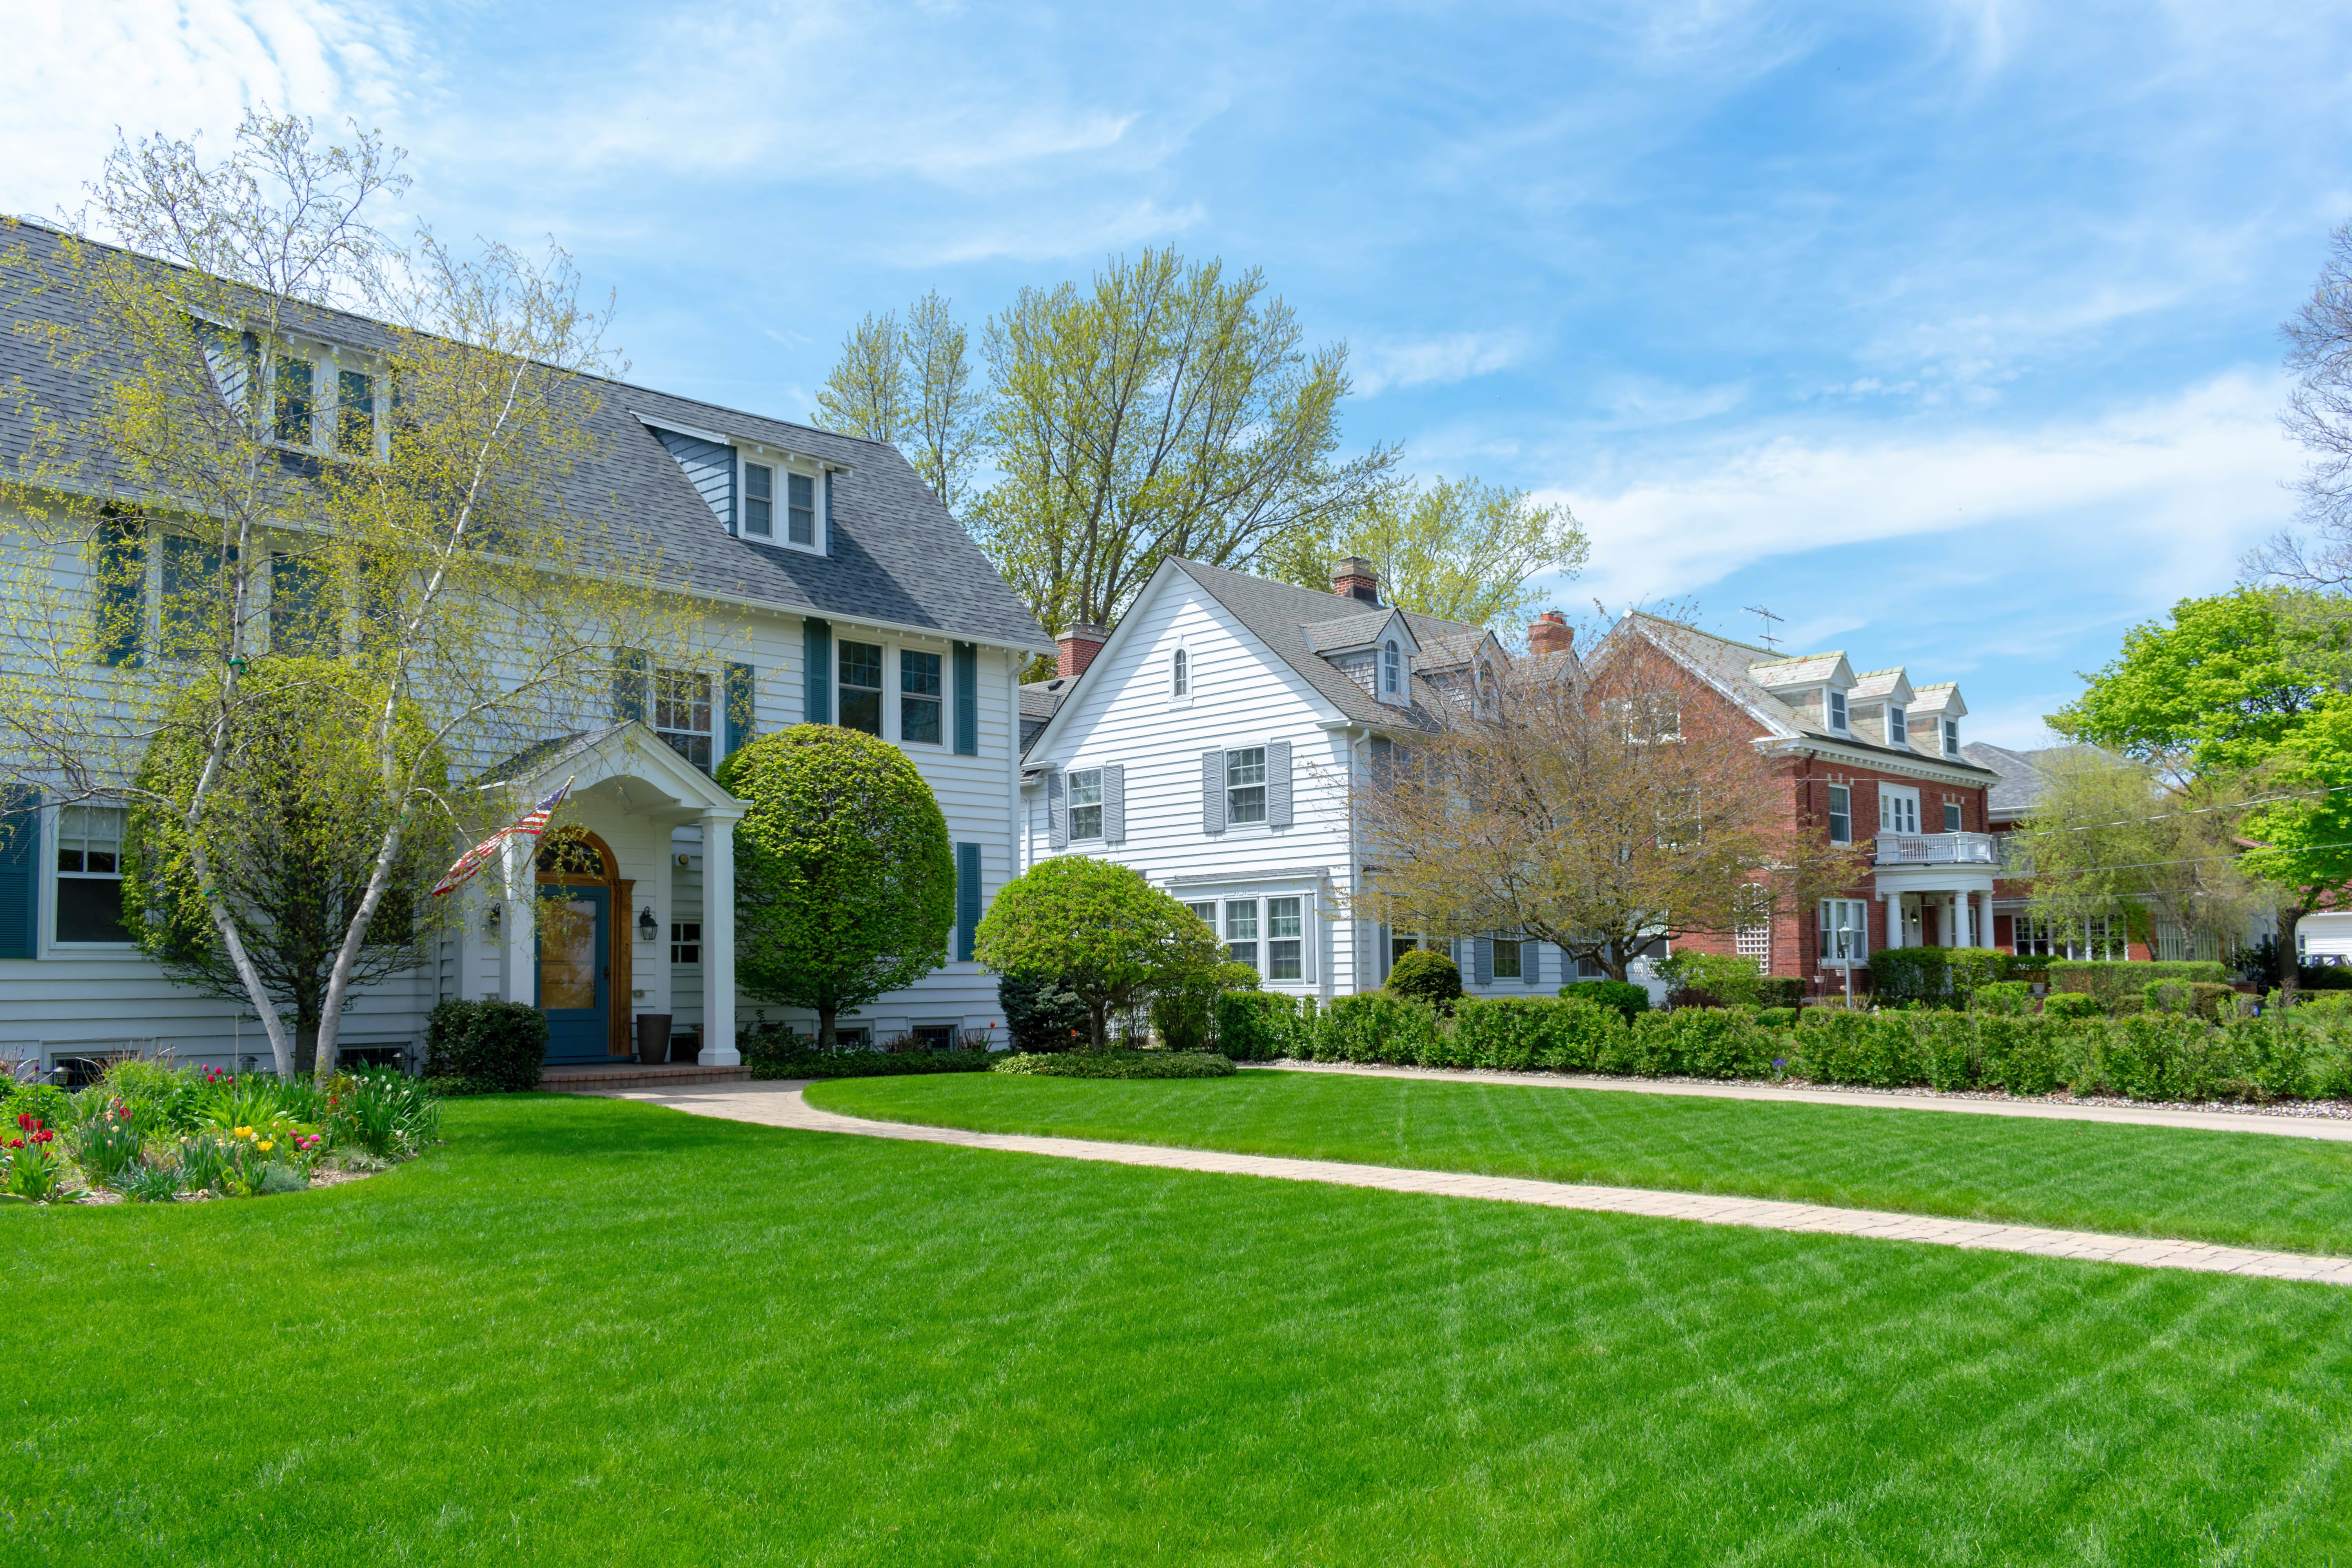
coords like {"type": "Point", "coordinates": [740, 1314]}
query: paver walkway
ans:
{"type": "Point", "coordinates": [2332, 1128]}
{"type": "Point", "coordinates": [779, 1104]}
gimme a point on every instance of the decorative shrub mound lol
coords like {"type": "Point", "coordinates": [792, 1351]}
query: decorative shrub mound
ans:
{"type": "Point", "coordinates": [1262, 1025]}
{"type": "Point", "coordinates": [1184, 1015]}
{"type": "Point", "coordinates": [2009, 996]}
{"type": "Point", "coordinates": [1934, 976]}
{"type": "Point", "coordinates": [1041, 1013]}
{"type": "Point", "coordinates": [495, 1047]}
{"type": "Point", "coordinates": [2203, 998]}
{"type": "Point", "coordinates": [1116, 1063]}
{"type": "Point", "coordinates": [1623, 994]}
{"type": "Point", "coordinates": [1425, 976]}
{"type": "Point", "coordinates": [2124, 983]}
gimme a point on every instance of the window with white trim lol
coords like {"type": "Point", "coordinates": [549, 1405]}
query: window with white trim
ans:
{"type": "Point", "coordinates": [1086, 803]}
{"type": "Point", "coordinates": [1509, 956]}
{"type": "Point", "coordinates": [1951, 737]}
{"type": "Point", "coordinates": [682, 713]}
{"type": "Point", "coordinates": [1205, 912]}
{"type": "Point", "coordinates": [1241, 930]}
{"type": "Point", "coordinates": [1898, 809]}
{"type": "Point", "coordinates": [686, 942]}
{"type": "Point", "coordinates": [1834, 709]}
{"type": "Point", "coordinates": [1246, 785]}
{"type": "Point", "coordinates": [759, 500]}
{"type": "Point", "coordinates": [859, 701]}
{"type": "Point", "coordinates": [1180, 680]}
{"type": "Point", "coordinates": [1286, 931]}
{"type": "Point", "coordinates": [1845, 931]}
{"type": "Point", "coordinates": [920, 693]}
{"type": "Point", "coordinates": [799, 522]}
{"type": "Point", "coordinates": [1951, 816]}
{"type": "Point", "coordinates": [2099, 940]}
{"type": "Point", "coordinates": [1898, 726]}
{"type": "Point", "coordinates": [89, 874]}
{"type": "Point", "coordinates": [1392, 668]}
{"type": "Point", "coordinates": [1840, 814]}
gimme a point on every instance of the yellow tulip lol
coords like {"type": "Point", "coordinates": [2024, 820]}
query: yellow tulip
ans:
{"type": "Point", "coordinates": [265, 1145]}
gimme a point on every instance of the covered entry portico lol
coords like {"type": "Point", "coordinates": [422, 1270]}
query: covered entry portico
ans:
{"type": "Point", "coordinates": [1937, 887]}
{"type": "Point", "coordinates": [577, 924]}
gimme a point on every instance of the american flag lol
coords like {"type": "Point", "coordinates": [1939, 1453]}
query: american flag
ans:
{"type": "Point", "coordinates": [528, 825]}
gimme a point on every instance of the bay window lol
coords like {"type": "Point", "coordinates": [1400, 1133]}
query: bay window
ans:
{"type": "Point", "coordinates": [1241, 930]}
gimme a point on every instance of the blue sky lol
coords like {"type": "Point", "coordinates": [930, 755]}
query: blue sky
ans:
{"type": "Point", "coordinates": [1948, 332]}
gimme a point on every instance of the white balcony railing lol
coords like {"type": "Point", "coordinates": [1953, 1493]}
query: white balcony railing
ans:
{"type": "Point", "coordinates": [1935, 849]}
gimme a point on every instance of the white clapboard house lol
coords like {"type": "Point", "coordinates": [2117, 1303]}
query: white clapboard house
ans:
{"type": "Point", "coordinates": [843, 593]}
{"type": "Point", "coordinates": [1210, 741]}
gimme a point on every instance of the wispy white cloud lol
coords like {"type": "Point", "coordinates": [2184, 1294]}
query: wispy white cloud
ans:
{"type": "Point", "coordinates": [1056, 238]}
{"type": "Point", "coordinates": [1383, 363]}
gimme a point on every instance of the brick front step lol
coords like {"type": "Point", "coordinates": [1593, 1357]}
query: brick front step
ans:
{"type": "Point", "coordinates": [627, 1075]}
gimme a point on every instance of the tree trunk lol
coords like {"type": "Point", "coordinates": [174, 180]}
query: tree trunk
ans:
{"type": "Point", "coordinates": [2290, 958]}
{"type": "Point", "coordinates": [1098, 1017]}
{"type": "Point", "coordinates": [824, 1031]}
{"type": "Point", "coordinates": [306, 1043]}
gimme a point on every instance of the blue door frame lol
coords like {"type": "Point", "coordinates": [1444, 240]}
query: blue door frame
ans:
{"type": "Point", "coordinates": [578, 1033]}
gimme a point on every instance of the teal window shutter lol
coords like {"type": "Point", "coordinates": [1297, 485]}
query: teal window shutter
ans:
{"type": "Point", "coordinates": [816, 664]}
{"type": "Point", "coordinates": [20, 865]}
{"type": "Point", "coordinates": [122, 589]}
{"type": "Point", "coordinates": [967, 900]}
{"type": "Point", "coordinates": [739, 707]}
{"type": "Point", "coordinates": [632, 675]}
{"type": "Point", "coordinates": [967, 699]}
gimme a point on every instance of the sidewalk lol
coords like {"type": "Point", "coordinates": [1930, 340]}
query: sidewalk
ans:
{"type": "Point", "coordinates": [779, 1104]}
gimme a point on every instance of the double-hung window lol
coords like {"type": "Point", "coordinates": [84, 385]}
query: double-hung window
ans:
{"type": "Point", "coordinates": [1898, 726]}
{"type": "Point", "coordinates": [920, 692]}
{"type": "Point", "coordinates": [1085, 802]}
{"type": "Point", "coordinates": [1951, 737]}
{"type": "Point", "coordinates": [1507, 960]}
{"type": "Point", "coordinates": [89, 874]}
{"type": "Point", "coordinates": [1241, 930]}
{"type": "Point", "coordinates": [861, 687]}
{"type": "Point", "coordinates": [354, 413]}
{"type": "Point", "coordinates": [1245, 785]}
{"type": "Point", "coordinates": [799, 522]}
{"type": "Point", "coordinates": [1392, 668]}
{"type": "Point", "coordinates": [1206, 914]}
{"type": "Point", "coordinates": [1845, 931]}
{"type": "Point", "coordinates": [296, 399]}
{"type": "Point", "coordinates": [1951, 816]}
{"type": "Point", "coordinates": [759, 500]}
{"type": "Point", "coordinates": [1835, 709]}
{"type": "Point", "coordinates": [682, 713]}
{"type": "Point", "coordinates": [1840, 814]}
{"type": "Point", "coordinates": [1286, 930]}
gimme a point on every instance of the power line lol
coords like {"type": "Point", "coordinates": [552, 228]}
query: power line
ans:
{"type": "Point", "coordinates": [2190, 811]}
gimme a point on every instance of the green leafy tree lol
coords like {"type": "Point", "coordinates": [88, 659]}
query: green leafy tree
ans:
{"type": "Point", "coordinates": [909, 383]}
{"type": "Point", "coordinates": [1102, 931]}
{"type": "Point", "coordinates": [845, 879]}
{"type": "Point", "coordinates": [287, 842]}
{"type": "Point", "coordinates": [1458, 549]}
{"type": "Point", "coordinates": [1164, 409]}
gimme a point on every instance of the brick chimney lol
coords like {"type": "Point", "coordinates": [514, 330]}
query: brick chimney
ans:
{"type": "Point", "coordinates": [1355, 579]}
{"type": "Point", "coordinates": [1551, 633]}
{"type": "Point", "coordinates": [1079, 647]}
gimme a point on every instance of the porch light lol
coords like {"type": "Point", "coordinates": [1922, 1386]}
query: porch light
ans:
{"type": "Point", "coordinates": [648, 928]}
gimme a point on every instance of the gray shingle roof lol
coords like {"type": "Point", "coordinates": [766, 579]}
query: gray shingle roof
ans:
{"type": "Point", "coordinates": [2022, 779]}
{"type": "Point", "coordinates": [899, 558]}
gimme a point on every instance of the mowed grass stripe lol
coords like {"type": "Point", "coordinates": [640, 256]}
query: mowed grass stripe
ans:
{"type": "Point", "coordinates": [592, 1330]}
{"type": "Point", "coordinates": [2238, 1189]}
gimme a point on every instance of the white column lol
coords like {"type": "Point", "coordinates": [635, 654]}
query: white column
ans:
{"type": "Point", "coordinates": [1984, 917]}
{"type": "Point", "coordinates": [1951, 921]}
{"type": "Point", "coordinates": [517, 919]}
{"type": "Point", "coordinates": [718, 937]}
{"type": "Point", "coordinates": [1894, 918]}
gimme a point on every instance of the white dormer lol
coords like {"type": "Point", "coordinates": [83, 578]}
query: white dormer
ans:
{"type": "Point", "coordinates": [765, 493]}
{"type": "Point", "coordinates": [1817, 686]}
{"type": "Point", "coordinates": [1879, 708]}
{"type": "Point", "coordinates": [1935, 714]}
{"type": "Point", "coordinates": [1375, 649]}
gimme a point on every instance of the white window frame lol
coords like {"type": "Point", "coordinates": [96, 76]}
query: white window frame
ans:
{"type": "Point", "coordinates": [1392, 675]}
{"type": "Point", "coordinates": [1833, 711]}
{"type": "Point", "coordinates": [1898, 808]}
{"type": "Point", "coordinates": [1845, 931]}
{"type": "Point", "coordinates": [937, 701]}
{"type": "Point", "coordinates": [62, 837]}
{"type": "Point", "coordinates": [1295, 940]}
{"type": "Point", "coordinates": [699, 703]}
{"type": "Point", "coordinates": [815, 510]}
{"type": "Point", "coordinates": [767, 526]}
{"type": "Point", "coordinates": [1898, 725]}
{"type": "Point", "coordinates": [2098, 943]}
{"type": "Point", "coordinates": [1083, 792]}
{"type": "Point", "coordinates": [1242, 923]}
{"type": "Point", "coordinates": [1181, 677]}
{"type": "Point", "coordinates": [1238, 786]}
{"type": "Point", "coordinates": [1956, 818]}
{"type": "Point", "coordinates": [1840, 810]}
{"type": "Point", "coordinates": [686, 936]}
{"type": "Point", "coordinates": [883, 726]}
{"type": "Point", "coordinates": [1518, 950]}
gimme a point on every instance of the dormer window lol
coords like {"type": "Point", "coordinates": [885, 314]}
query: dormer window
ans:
{"type": "Point", "coordinates": [1951, 737]}
{"type": "Point", "coordinates": [1392, 668]}
{"type": "Point", "coordinates": [759, 500]}
{"type": "Point", "coordinates": [1835, 709]}
{"type": "Point", "coordinates": [802, 524]}
{"type": "Point", "coordinates": [1898, 726]}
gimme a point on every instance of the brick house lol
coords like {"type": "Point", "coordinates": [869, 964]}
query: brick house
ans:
{"type": "Point", "coordinates": [1867, 758]}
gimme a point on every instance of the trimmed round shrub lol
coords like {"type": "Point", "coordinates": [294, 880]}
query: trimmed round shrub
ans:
{"type": "Point", "coordinates": [500, 1044]}
{"type": "Point", "coordinates": [1102, 931]}
{"type": "Point", "coordinates": [1623, 994]}
{"type": "Point", "coordinates": [1427, 976]}
{"type": "Point", "coordinates": [2011, 998]}
{"type": "Point", "coordinates": [1117, 1064]}
{"type": "Point", "coordinates": [2072, 1005]}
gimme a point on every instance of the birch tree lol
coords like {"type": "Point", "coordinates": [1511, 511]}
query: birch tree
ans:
{"type": "Point", "coordinates": [910, 383]}
{"type": "Point", "coordinates": [394, 493]}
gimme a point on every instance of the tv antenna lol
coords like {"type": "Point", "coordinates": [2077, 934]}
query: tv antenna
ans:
{"type": "Point", "coordinates": [1766, 637]}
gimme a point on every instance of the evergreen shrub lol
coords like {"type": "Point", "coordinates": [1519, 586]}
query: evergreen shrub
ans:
{"type": "Point", "coordinates": [1623, 994]}
{"type": "Point", "coordinates": [1260, 1026]}
{"type": "Point", "coordinates": [500, 1044]}
{"type": "Point", "coordinates": [1041, 1012]}
{"type": "Point", "coordinates": [2112, 981]}
{"type": "Point", "coordinates": [1427, 976]}
{"type": "Point", "coordinates": [1115, 1063]}
{"type": "Point", "coordinates": [1933, 977]}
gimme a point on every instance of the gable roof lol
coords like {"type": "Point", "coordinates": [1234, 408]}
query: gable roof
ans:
{"type": "Point", "coordinates": [2023, 775]}
{"type": "Point", "coordinates": [899, 558]}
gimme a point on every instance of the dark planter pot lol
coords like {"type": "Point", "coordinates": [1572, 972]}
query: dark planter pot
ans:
{"type": "Point", "coordinates": [653, 1038]}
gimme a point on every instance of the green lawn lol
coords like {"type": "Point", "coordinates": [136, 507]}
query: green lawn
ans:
{"type": "Point", "coordinates": [2241, 1188]}
{"type": "Point", "coordinates": [586, 1332]}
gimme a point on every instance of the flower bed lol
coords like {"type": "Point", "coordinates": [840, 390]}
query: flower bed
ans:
{"type": "Point", "coordinates": [147, 1134]}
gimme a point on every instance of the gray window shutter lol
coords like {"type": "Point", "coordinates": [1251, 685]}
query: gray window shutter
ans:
{"type": "Point", "coordinates": [1057, 812]}
{"type": "Point", "coordinates": [1384, 953]}
{"type": "Point", "coordinates": [1531, 962]}
{"type": "Point", "coordinates": [967, 863]}
{"type": "Point", "coordinates": [1277, 783]}
{"type": "Point", "coordinates": [739, 707]}
{"type": "Point", "coordinates": [816, 671]}
{"type": "Point", "coordinates": [1114, 803]}
{"type": "Point", "coordinates": [20, 864]}
{"type": "Point", "coordinates": [1482, 960]}
{"type": "Point", "coordinates": [967, 699]}
{"type": "Point", "coordinates": [1213, 791]}
{"type": "Point", "coordinates": [631, 677]}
